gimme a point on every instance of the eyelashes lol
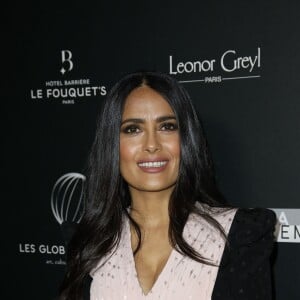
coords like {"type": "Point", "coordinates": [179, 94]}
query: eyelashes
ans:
{"type": "Point", "coordinates": [131, 129]}
{"type": "Point", "coordinates": [169, 126]}
{"type": "Point", "coordinates": [135, 129]}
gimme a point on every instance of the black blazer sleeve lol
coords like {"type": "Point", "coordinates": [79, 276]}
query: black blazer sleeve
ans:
{"type": "Point", "coordinates": [244, 272]}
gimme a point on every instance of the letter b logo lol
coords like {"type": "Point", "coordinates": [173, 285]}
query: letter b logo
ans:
{"type": "Point", "coordinates": [66, 56]}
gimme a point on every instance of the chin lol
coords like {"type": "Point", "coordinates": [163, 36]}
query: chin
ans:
{"type": "Point", "coordinates": [153, 187]}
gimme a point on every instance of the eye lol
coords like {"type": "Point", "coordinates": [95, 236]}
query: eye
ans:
{"type": "Point", "coordinates": [169, 126]}
{"type": "Point", "coordinates": [131, 129]}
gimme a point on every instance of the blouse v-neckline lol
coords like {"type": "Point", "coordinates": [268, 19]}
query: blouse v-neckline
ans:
{"type": "Point", "coordinates": [116, 278]}
{"type": "Point", "coordinates": [157, 283]}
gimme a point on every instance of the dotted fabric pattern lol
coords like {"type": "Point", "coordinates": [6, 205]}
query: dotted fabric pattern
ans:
{"type": "Point", "coordinates": [181, 277]}
{"type": "Point", "coordinates": [245, 272]}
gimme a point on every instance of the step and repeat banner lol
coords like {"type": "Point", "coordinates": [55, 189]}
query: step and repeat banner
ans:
{"type": "Point", "coordinates": [240, 63]}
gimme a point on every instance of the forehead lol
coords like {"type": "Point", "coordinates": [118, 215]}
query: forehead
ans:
{"type": "Point", "coordinates": [143, 101]}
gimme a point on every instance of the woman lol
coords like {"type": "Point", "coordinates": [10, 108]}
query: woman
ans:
{"type": "Point", "coordinates": [156, 225]}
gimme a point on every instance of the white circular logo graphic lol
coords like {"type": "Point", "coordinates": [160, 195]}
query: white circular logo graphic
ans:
{"type": "Point", "coordinates": [67, 198]}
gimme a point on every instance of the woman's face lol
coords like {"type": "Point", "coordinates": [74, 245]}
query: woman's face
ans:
{"type": "Point", "coordinates": [149, 142]}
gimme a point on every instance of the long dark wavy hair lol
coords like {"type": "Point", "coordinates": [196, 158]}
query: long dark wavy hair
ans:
{"type": "Point", "coordinates": [107, 194]}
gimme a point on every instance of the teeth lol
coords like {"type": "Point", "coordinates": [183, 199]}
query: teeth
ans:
{"type": "Point", "coordinates": [152, 164]}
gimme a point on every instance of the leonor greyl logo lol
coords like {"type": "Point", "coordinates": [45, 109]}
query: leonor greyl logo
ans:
{"type": "Point", "coordinates": [231, 64]}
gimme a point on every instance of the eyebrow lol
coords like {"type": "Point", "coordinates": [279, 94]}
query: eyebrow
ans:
{"type": "Point", "coordinates": [141, 121]}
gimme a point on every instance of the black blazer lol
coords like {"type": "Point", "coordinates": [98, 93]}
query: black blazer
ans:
{"type": "Point", "coordinates": [245, 271]}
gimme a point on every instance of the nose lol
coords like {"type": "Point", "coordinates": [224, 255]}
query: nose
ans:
{"type": "Point", "coordinates": [151, 144]}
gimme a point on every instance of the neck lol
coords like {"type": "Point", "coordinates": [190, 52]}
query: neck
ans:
{"type": "Point", "coordinates": [150, 209]}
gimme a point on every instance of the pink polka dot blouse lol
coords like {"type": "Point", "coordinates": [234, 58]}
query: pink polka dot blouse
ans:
{"type": "Point", "coordinates": [115, 278]}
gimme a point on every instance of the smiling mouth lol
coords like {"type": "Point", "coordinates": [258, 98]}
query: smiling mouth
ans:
{"type": "Point", "coordinates": [152, 164]}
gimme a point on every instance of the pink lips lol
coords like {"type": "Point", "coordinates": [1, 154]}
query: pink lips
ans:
{"type": "Point", "coordinates": [152, 166]}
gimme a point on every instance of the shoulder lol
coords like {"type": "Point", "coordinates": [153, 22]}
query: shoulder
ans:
{"type": "Point", "coordinates": [250, 225]}
{"type": "Point", "coordinates": [245, 269]}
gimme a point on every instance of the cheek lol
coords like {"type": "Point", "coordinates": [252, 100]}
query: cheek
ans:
{"type": "Point", "coordinates": [176, 153]}
{"type": "Point", "coordinates": [123, 158]}
{"type": "Point", "coordinates": [177, 149]}
{"type": "Point", "coordinates": [174, 148]}
{"type": "Point", "coordinates": [127, 152]}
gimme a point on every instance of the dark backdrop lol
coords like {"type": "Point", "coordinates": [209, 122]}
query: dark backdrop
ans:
{"type": "Point", "coordinates": [250, 113]}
